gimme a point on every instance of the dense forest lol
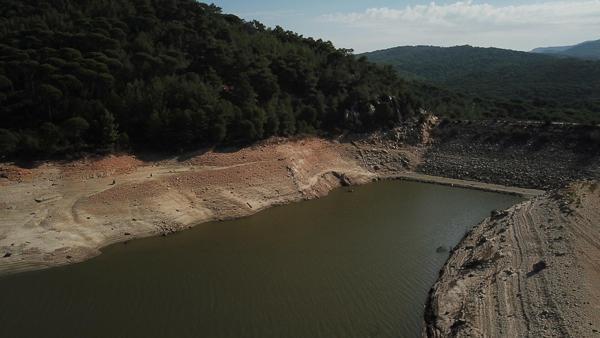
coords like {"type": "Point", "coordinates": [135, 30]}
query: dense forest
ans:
{"type": "Point", "coordinates": [108, 75]}
{"type": "Point", "coordinates": [501, 83]}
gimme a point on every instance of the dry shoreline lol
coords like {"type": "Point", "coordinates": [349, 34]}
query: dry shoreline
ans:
{"type": "Point", "coordinates": [59, 214]}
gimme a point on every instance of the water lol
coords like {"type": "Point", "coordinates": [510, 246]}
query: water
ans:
{"type": "Point", "coordinates": [349, 265]}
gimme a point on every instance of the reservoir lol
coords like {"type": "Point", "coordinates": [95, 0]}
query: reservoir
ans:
{"type": "Point", "coordinates": [354, 264]}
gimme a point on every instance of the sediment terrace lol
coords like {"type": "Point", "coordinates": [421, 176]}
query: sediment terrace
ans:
{"type": "Point", "coordinates": [59, 213]}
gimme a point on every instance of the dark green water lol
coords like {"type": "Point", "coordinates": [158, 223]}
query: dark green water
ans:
{"type": "Point", "coordinates": [349, 265]}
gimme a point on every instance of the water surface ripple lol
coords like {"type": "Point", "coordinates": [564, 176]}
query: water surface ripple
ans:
{"type": "Point", "coordinates": [349, 265]}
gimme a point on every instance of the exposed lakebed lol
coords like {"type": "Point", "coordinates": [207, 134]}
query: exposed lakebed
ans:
{"type": "Point", "coordinates": [348, 265]}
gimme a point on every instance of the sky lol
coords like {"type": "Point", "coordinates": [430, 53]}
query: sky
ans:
{"type": "Point", "coordinates": [367, 25]}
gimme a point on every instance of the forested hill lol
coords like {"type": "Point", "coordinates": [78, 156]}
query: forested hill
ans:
{"type": "Point", "coordinates": [533, 85]}
{"type": "Point", "coordinates": [173, 74]}
{"type": "Point", "coordinates": [586, 50]}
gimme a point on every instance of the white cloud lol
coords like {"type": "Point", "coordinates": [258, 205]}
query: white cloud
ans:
{"type": "Point", "coordinates": [515, 26]}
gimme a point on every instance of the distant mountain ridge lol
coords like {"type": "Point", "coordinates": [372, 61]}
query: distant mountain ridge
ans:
{"type": "Point", "coordinates": [522, 84]}
{"type": "Point", "coordinates": [585, 50]}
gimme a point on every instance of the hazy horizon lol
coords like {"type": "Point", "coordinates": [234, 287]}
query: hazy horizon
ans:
{"type": "Point", "coordinates": [379, 24]}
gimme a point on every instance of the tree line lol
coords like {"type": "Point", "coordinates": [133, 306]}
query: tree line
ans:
{"type": "Point", "coordinates": [105, 75]}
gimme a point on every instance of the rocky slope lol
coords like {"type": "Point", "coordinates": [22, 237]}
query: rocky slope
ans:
{"type": "Point", "coordinates": [525, 154]}
{"type": "Point", "coordinates": [530, 271]}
